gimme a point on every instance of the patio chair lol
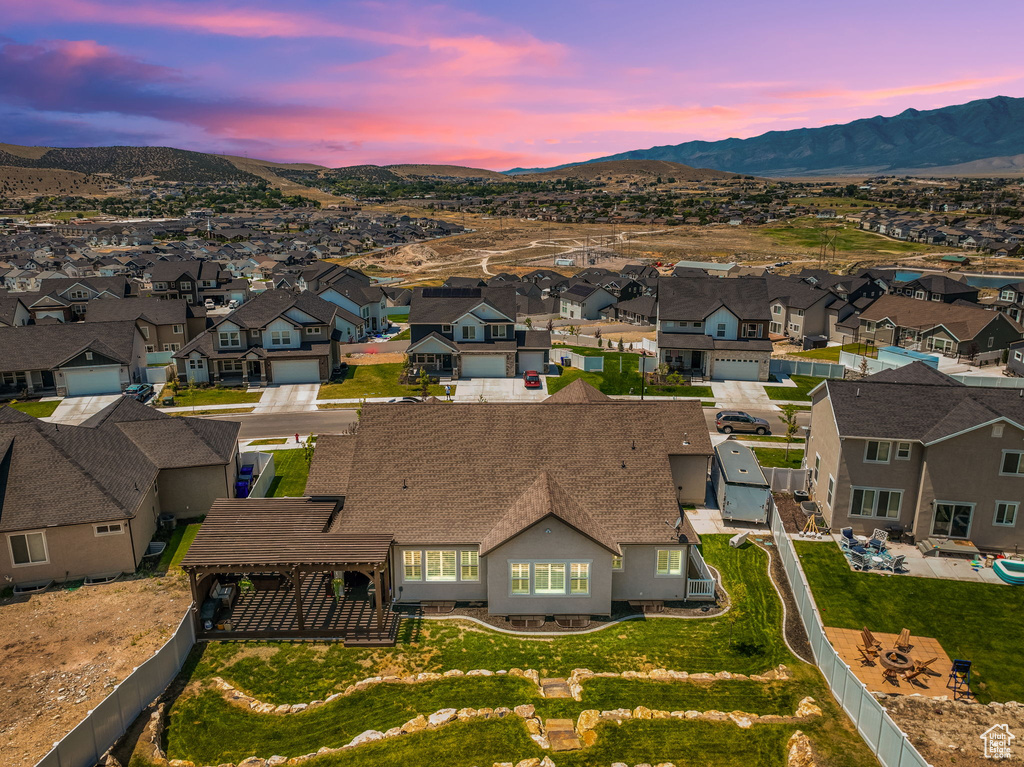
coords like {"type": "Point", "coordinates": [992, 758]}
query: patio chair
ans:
{"type": "Point", "coordinates": [868, 655]}
{"type": "Point", "coordinates": [895, 564]}
{"type": "Point", "coordinates": [923, 665]}
{"type": "Point", "coordinates": [858, 560]}
{"type": "Point", "coordinates": [880, 535]}
{"type": "Point", "coordinates": [903, 640]}
{"type": "Point", "coordinates": [868, 638]}
{"type": "Point", "coordinates": [910, 676]}
{"type": "Point", "coordinates": [847, 540]}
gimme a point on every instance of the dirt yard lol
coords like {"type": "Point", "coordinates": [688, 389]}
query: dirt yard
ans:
{"type": "Point", "coordinates": [64, 650]}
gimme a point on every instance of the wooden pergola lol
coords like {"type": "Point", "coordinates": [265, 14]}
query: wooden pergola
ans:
{"type": "Point", "coordinates": [288, 539]}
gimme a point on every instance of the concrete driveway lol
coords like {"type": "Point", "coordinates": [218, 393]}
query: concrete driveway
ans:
{"type": "Point", "coordinates": [288, 398]}
{"type": "Point", "coordinates": [74, 410]}
{"type": "Point", "coordinates": [497, 390]}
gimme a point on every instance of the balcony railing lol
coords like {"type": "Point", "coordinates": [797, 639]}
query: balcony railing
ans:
{"type": "Point", "coordinates": [701, 583]}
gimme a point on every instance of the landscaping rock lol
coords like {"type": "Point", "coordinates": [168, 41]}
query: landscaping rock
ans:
{"type": "Point", "coordinates": [807, 708]}
{"type": "Point", "coordinates": [617, 715]}
{"type": "Point", "coordinates": [541, 741]}
{"type": "Point", "coordinates": [368, 736]}
{"type": "Point", "coordinates": [588, 738]}
{"type": "Point", "coordinates": [284, 708]}
{"type": "Point", "coordinates": [546, 762]}
{"type": "Point", "coordinates": [180, 763]}
{"type": "Point", "coordinates": [465, 714]}
{"type": "Point", "coordinates": [453, 672]}
{"type": "Point", "coordinates": [534, 762]}
{"type": "Point", "coordinates": [587, 720]}
{"type": "Point", "coordinates": [428, 676]}
{"type": "Point", "coordinates": [315, 703]}
{"type": "Point", "coordinates": [297, 707]}
{"type": "Point", "coordinates": [656, 714]}
{"type": "Point", "coordinates": [641, 712]}
{"type": "Point", "coordinates": [485, 713]}
{"type": "Point", "coordinates": [800, 752]}
{"type": "Point", "coordinates": [702, 677]}
{"type": "Point", "coordinates": [253, 761]}
{"type": "Point", "coordinates": [691, 714]}
{"type": "Point", "coordinates": [441, 717]}
{"type": "Point", "coordinates": [714, 716]}
{"type": "Point", "coordinates": [664, 764]}
{"type": "Point", "coordinates": [479, 672]}
{"type": "Point", "coordinates": [742, 719]}
{"type": "Point", "coordinates": [277, 760]}
{"type": "Point", "coordinates": [723, 675]}
{"type": "Point", "coordinates": [525, 711]}
{"type": "Point", "coordinates": [501, 711]}
{"type": "Point", "coordinates": [532, 674]}
{"type": "Point", "coordinates": [415, 725]}
{"type": "Point", "coordinates": [533, 726]}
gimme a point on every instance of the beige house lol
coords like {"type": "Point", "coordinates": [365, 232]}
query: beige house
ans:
{"type": "Point", "coordinates": [166, 325]}
{"type": "Point", "coordinates": [81, 501]}
{"type": "Point", "coordinates": [913, 448]}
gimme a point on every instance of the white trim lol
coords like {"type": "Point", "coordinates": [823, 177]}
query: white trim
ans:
{"type": "Point", "coordinates": [995, 515]}
{"type": "Point", "coordinates": [935, 508]}
{"type": "Point", "coordinates": [1020, 464]}
{"type": "Point", "coordinates": [668, 571]}
{"type": "Point", "coordinates": [910, 450]}
{"type": "Point", "coordinates": [874, 503]}
{"type": "Point", "coordinates": [888, 453]}
{"type": "Point", "coordinates": [26, 533]}
{"type": "Point", "coordinates": [119, 531]}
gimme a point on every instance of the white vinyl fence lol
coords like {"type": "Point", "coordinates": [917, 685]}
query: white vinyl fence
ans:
{"type": "Point", "coordinates": [887, 741]}
{"type": "Point", "coordinates": [94, 735]}
{"type": "Point", "coordinates": [1001, 382]}
{"type": "Point", "coordinates": [806, 368]}
{"type": "Point", "coordinates": [785, 480]}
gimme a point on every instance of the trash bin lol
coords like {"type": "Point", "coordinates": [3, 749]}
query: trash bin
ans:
{"type": "Point", "coordinates": [168, 401]}
{"type": "Point", "coordinates": [566, 362]}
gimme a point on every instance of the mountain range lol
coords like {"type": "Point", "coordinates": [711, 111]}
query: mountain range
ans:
{"type": "Point", "coordinates": [980, 137]}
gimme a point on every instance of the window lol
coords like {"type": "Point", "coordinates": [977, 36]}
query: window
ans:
{"type": "Point", "coordinates": [231, 366]}
{"type": "Point", "coordinates": [194, 364]}
{"type": "Point", "coordinates": [145, 332]}
{"type": "Point", "coordinates": [78, 295]}
{"type": "Point", "coordinates": [549, 578]}
{"type": "Point", "coordinates": [902, 451]}
{"type": "Point", "coordinates": [952, 520]}
{"type": "Point", "coordinates": [446, 328]}
{"type": "Point", "coordinates": [997, 430]}
{"type": "Point", "coordinates": [88, 355]}
{"type": "Point", "coordinates": [616, 563]}
{"type": "Point", "coordinates": [185, 285]}
{"type": "Point", "coordinates": [1019, 356]}
{"type": "Point", "coordinates": [579, 578]}
{"type": "Point", "coordinates": [441, 566]}
{"type": "Point", "coordinates": [470, 566]}
{"type": "Point", "coordinates": [720, 333]}
{"type": "Point", "coordinates": [817, 466]}
{"type": "Point", "coordinates": [670, 562]}
{"type": "Point", "coordinates": [159, 286]}
{"type": "Point", "coordinates": [176, 330]}
{"type": "Point", "coordinates": [499, 331]}
{"type": "Point", "coordinates": [751, 330]}
{"type": "Point", "coordinates": [314, 331]}
{"type": "Point", "coordinates": [171, 347]}
{"type": "Point", "coordinates": [113, 529]}
{"type": "Point", "coordinates": [798, 312]}
{"type": "Point", "coordinates": [991, 342]}
{"type": "Point", "coordinates": [1013, 462]}
{"type": "Point", "coordinates": [877, 452]}
{"type": "Point", "coordinates": [919, 294]}
{"type": "Point", "coordinates": [520, 575]}
{"type": "Point", "coordinates": [698, 325]}
{"type": "Point", "coordinates": [469, 332]}
{"type": "Point", "coordinates": [872, 502]}
{"type": "Point", "coordinates": [150, 348]}
{"type": "Point", "coordinates": [280, 337]}
{"type": "Point", "coordinates": [776, 309]}
{"type": "Point", "coordinates": [254, 334]}
{"type": "Point", "coordinates": [1006, 513]}
{"type": "Point", "coordinates": [831, 490]}
{"type": "Point", "coordinates": [28, 549]}
{"type": "Point", "coordinates": [412, 564]}
{"type": "Point", "coordinates": [229, 338]}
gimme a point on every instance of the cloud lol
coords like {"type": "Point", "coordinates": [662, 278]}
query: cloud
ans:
{"type": "Point", "coordinates": [853, 97]}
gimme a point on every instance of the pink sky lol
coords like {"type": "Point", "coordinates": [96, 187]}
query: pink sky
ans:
{"type": "Point", "coordinates": [487, 84]}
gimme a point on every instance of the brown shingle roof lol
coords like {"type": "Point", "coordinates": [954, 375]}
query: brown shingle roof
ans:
{"type": "Point", "coordinates": [578, 392]}
{"type": "Point", "coordinates": [963, 321]}
{"type": "Point", "coordinates": [328, 475]}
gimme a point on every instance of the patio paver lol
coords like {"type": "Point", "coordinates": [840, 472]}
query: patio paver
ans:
{"type": "Point", "coordinates": [930, 685]}
{"type": "Point", "coordinates": [562, 735]}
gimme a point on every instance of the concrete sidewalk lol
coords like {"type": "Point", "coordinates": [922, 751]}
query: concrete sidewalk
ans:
{"type": "Point", "coordinates": [288, 398]}
{"type": "Point", "coordinates": [498, 390]}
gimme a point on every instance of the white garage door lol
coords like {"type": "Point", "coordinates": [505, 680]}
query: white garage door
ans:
{"type": "Point", "coordinates": [735, 370]}
{"type": "Point", "coordinates": [531, 361]}
{"type": "Point", "coordinates": [483, 366]}
{"type": "Point", "coordinates": [83, 382]}
{"type": "Point", "coordinates": [295, 371]}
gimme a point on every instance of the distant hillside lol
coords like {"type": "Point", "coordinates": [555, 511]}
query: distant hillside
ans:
{"type": "Point", "coordinates": [34, 182]}
{"type": "Point", "coordinates": [129, 162]}
{"type": "Point", "coordinates": [978, 130]}
{"type": "Point", "coordinates": [627, 170]}
{"type": "Point", "coordinates": [991, 166]}
{"type": "Point", "coordinates": [444, 172]}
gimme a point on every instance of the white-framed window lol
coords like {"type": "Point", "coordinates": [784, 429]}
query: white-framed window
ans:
{"type": "Point", "coordinates": [185, 285]}
{"type": "Point", "coordinates": [751, 330]}
{"type": "Point", "coordinates": [150, 348]}
{"type": "Point", "coordinates": [549, 578]}
{"type": "Point", "coordinates": [670, 562]}
{"type": "Point", "coordinates": [877, 451]}
{"type": "Point", "coordinates": [280, 337]}
{"type": "Point", "coordinates": [776, 309]}
{"type": "Point", "coordinates": [1012, 464]}
{"type": "Point", "coordinates": [997, 430]}
{"type": "Point", "coordinates": [499, 331]}
{"type": "Point", "coordinates": [817, 467]}
{"type": "Point", "coordinates": [78, 295]}
{"type": "Point", "coordinates": [952, 519]}
{"type": "Point", "coordinates": [88, 355]}
{"type": "Point", "coordinates": [798, 312]}
{"type": "Point", "coordinates": [1006, 513]}
{"type": "Point", "coordinates": [1019, 356]}
{"type": "Point", "coordinates": [229, 338]}
{"type": "Point", "coordinates": [831, 490]}
{"type": "Point", "coordinates": [159, 286]}
{"type": "Point", "coordinates": [446, 328]}
{"type": "Point", "coordinates": [991, 341]}
{"type": "Point", "coordinates": [231, 366]}
{"type": "Point", "coordinates": [314, 331]}
{"type": "Point", "coordinates": [616, 563]}
{"type": "Point", "coordinates": [112, 528]}
{"type": "Point", "coordinates": [196, 364]}
{"type": "Point", "coordinates": [469, 566]}
{"type": "Point", "coordinates": [875, 502]}
{"type": "Point", "coordinates": [698, 325]}
{"type": "Point", "coordinates": [172, 347]}
{"type": "Point", "coordinates": [720, 332]}
{"type": "Point", "coordinates": [176, 330]}
{"type": "Point", "coordinates": [145, 332]}
{"type": "Point", "coordinates": [919, 294]}
{"type": "Point", "coordinates": [579, 578]}
{"type": "Point", "coordinates": [469, 332]}
{"type": "Point", "coordinates": [903, 451]}
{"type": "Point", "coordinates": [520, 577]}
{"type": "Point", "coordinates": [412, 565]}
{"type": "Point", "coordinates": [28, 548]}
{"type": "Point", "coordinates": [441, 565]}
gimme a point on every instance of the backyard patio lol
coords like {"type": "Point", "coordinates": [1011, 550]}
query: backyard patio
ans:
{"type": "Point", "coordinates": [925, 664]}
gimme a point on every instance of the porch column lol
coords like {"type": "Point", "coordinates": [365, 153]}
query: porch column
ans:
{"type": "Point", "coordinates": [194, 586]}
{"type": "Point", "coordinates": [377, 601]}
{"type": "Point", "coordinates": [214, 371]}
{"type": "Point", "coordinates": [297, 585]}
{"type": "Point", "coordinates": [387, 579]}
{"type": "Point", "coordinates": [28, 382]}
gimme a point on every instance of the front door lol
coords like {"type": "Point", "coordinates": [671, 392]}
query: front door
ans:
{"type": "Point", "coordinates": [255, 369]}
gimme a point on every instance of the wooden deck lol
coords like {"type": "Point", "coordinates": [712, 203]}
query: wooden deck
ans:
{"type": "Point", "coordinates": [272, 615]}
{"type": "Point", "coordinates": [930, 685]}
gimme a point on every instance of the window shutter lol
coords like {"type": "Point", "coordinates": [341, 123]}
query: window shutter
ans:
{"type": "Point", "coordinates": [580, 583]}
{"type": "Point", "coordinates": [470, 566]}
{"type": "Point", "coordinates": [413, 566]}
{"type": "Point", "coordinates": [663, 561]}
{"type": "Point", "coordinates": [433, 565]}
{"type": "Point", "coordinates": [558, 577]}
{"type": "Point", "coordinates": [675, 561]}
{"type": "Point", "coordinates": [448, 566]}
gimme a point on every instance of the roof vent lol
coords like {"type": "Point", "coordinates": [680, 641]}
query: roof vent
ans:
{"type": "Point", "coordinates": [858, 391]}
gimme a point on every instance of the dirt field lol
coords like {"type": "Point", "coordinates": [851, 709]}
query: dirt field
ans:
{"type": "Point", "coordinates": [63, 651]}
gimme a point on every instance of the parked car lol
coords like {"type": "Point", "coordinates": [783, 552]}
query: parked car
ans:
{"type": "Point", "coordinates": [141, 392]}
{"type": "Point", "coordinates": [531, 379]}
{"type": "Point", "coordinates": [233, 303]}
{"type": "Point", "coordinates": [403, 400]}
{"type": "Point", "coordinates": [729, 421]}
{"type": "Point", "coordinates": [209, 304]}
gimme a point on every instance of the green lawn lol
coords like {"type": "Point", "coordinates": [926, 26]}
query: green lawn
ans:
{"type": "Point", "coordinates": [373, 381]}
{"type": "Point", "coordinates": [274, 441]}
{"type": "Point", "coordinates": [36, 409]}
{"type": "Point", "coordinates": [177, 546]}
{"type": "Point", "coordinates": [979, 622]}
{"type": "Point", "coordinates": [212, 396]}
{"type": "Point", "coordinates": [775, 457]}
{"type": "Point", "coordinates": [805, 233]}
{"type": "Point", "coordinates": [405, 335]}
{"type": "Point", "coordinates": [396, 318]}
{"type": "Point", "coordinates": [221, 411]}
{"type": "Point", "coordinates": [831, 353]}
{"type": "Point", "coordinates": [621, 375]}
{"type": "Point", "coordinates": [747, 639]}
{"type": "Point", "coordinates": [769, 438]}
{"type": "Point", "coordinates": [291, 469]}
{"type": "Point", "coordinates": [800, 393]}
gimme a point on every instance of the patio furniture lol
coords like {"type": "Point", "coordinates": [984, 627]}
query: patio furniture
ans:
{"type": "Point", "coordinates": [880, 535]}
{"type": "Point", "coordinates": [868, 638]}
{"type": "Point", "coordinates": [895, 533]}
{"type": "Point", "coordinates": [923, 665]}
{"type": "Point", "coordinates": [847, 538]}
{"type": "Point", "coordinates": [910, 676]}
{"type": "Point", "coordinates": [859, 561]}
{"type": "Point", "coordinates": [890, 675]}
{"type": "Point", "coordinates": [960, 679]}
{"type": "Point", "coordinates": [868, 655]}
{"type": "Point", "coordinates": [939, 546]}
{"type": "Point", "coordinates": [877, 561]}
{"type": "Point", "coordinates": [895, 661]}
{"type": "Point", "coordinates": [895, 564]}
{"type": "Point", "coordinates": [903, 640]}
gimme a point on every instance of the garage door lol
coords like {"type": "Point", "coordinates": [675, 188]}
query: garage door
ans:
{"type": "Point", "coordinates": [83, 382]}
{"type": "Point", "coordinates": [735, 370]}
{"type": "Point", "coordinates": [295, 371]}
{"type": "Point", "coordinates": [531, 361]}
{"type": "Point", "coordinates": [483, 366]}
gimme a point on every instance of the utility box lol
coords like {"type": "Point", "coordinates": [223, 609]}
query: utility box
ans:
{"type": "Point", "coordinates": [740, 487]}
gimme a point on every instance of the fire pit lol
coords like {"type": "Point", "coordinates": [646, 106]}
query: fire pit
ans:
{"type": "Point", "coordinates": [894, 660]}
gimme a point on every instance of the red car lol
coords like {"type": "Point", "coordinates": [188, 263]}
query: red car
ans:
{"type": "Point", "coordinates": [531, 379]}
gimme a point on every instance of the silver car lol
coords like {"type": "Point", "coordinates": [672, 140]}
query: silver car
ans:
{"type": "Point", "coordinates": [729, 421]}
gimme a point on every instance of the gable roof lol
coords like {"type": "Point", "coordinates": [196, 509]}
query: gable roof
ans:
{"type": "Point", "coordinates": [261, 310]}
{"type": "Point", "coordinates": [963, 320]}
{"type": "Point", "coordinates": [914, 373]}
{"type": "Point", "coordinates": [442, 306]}
{"type": "Point", "coordinates": [690, 298]}
{"type": "Point", "coordinates": [46, 346]}
{"type": "Point", "coordinates": [157, 311]}
{"type": "Point", "coordinates": [578, 392]}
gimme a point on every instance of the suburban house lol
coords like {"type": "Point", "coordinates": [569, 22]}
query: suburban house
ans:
{"type": "Point", "coordinates": [471, 332]}
{"type": "Point", "coordinates": [583, 301]}
{"type": "Point", "coordinates": [13, 311]}
{"type": "Point", "coordinates": [124, 466]}
{"type": "Point", "coordinates": [166, 325]}
{"type": "Point", "coordinates": [1015, 359]}
{"type": "Point", "coordinates": [914, 448]}
{"type": "Point", "coordinates": [714, 328]}
{"type": "Point", "coordinates": [352, 292]}
{"type": "Point", "coordinates": [798, 308]}
{"type": "Point", "coordinates": [66, 299]}
{"type": "Point", "coordinates": [642, 310]}
{"type": "Point", "coordinates": [936, 287]}
{"type": "Point", "coordinates": [1009, 300]}
{"type": "Point", "coordinates": [280, 336]}
{"type": "Point", "coordinates": [960, 328]}
{"type": "Point", "coordinates": [76, 359]}
{"type": "Point", "coordinates": [588, 515]}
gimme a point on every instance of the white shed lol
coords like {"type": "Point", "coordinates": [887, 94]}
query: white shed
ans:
{"type": "Point", "coordinates": [740, 486]}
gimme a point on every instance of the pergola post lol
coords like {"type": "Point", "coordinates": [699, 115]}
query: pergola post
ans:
{"type": "Point", "coordinates": [377, 601]}
{"type": "Point", "coordinates": [297, 586]}
{"type": "Point", "coordinates": [387, 579]}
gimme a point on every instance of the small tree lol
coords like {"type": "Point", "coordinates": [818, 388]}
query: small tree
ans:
{"type": "Point", "coordinates": [597, 333]}
{"type": "Point", "coordinates": [307, 449]}
{"type": "Point", "coordinates": [529, 323]}
{"type": "Point", "coordinates": [863, 367]}
{"type": "Point", "coordinates": [424, 383]}
{"type": "Point", "coordinates": [550, 325]}
{"type": "Point", "coordinates": [788, 417]}
{"type": "Point", "coordinates": [622, 346]}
